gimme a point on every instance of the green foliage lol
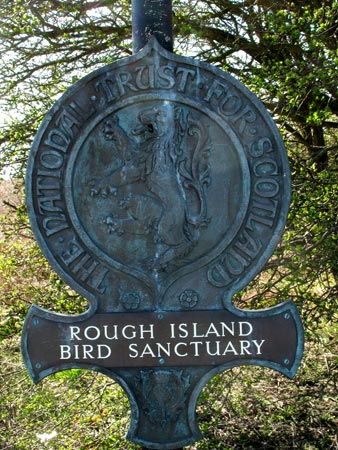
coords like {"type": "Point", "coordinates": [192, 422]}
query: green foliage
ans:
{"type": "Point", "coordinates": [252, 408]}
{"type": "Point", "coordinates": [84, 410]}
{"type": "Point", "coordinates": [26, 277]}
{"type": "Point", "coordinates": [287, 53]}
{"type": "Point", "coordinates": [244, 408]}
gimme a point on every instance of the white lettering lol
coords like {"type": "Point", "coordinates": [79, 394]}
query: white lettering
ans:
{"type": "Point", "coordinates": [74, 331]}
{"type": "Point", "coordinates": [230, 349]}
{"type": "Point", "coordinates": [226, 328]}
{"type": "Point", "coordinates": [87, 351]}
{"type": "Point", "coordinates": [100, 349]}
{"type": "Point", "coordinates": [106, 335]}
{"type": "Point", "coordinates": [94, 337]}
{"type": "Point", "coordinates": [132, 335]}
{"type": "Point", "coordinates": [183, 328]}
{"type": "Point", "coordinates": [161, 348]}
{"type": "Point", "coordinates": [65, 352]}
{"type": "Point", "coordinates": [172, 331]}
{"type": "Point", "coordinates": [242, 331]}
{"type": "Point", "coordinates": [212, 330]}
{"type": "Point", "coordinates": [258, 346]}
{"type": "Point", "coordinates": [143, 331]}
{"type": "Point", "coordinates": [181, 355]}
{"type": "Point", "coordinates": [147, 351]}
{"type": "Point", "coordinates": [133, 349]}
{"type": "Point", "coordinates": [245, 346]}
{"type": "Point", "coordinates": [217, 352]}
{"type": "Point", "coordinates": [196, 345]}
{"type": "Point", "coordinates": [194, 325]}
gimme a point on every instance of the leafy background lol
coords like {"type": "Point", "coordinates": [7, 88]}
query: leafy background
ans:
{"type": "Point", "coordinates": [286, 52]}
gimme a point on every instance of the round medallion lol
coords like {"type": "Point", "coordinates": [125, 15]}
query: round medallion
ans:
{"type": "Point", "coordinates": [154, 174]}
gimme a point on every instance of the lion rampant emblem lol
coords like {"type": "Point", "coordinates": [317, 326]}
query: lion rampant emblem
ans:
{"type": "Point", "coordinates": [158, 189]}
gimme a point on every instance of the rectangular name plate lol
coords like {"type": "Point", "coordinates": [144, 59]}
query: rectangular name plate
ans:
{"type": "Point", "coordinates": [162, 339]}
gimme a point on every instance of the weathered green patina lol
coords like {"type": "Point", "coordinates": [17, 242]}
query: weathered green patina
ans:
{"type": "Point", "coordinates": [158, 187]}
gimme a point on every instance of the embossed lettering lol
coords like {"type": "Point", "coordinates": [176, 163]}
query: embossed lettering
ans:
{"type": "Point", "coordinates": [65, 352]}
{"type": "Point", "coordinates": [57, 139]}
{"type": "Point", "coordinates": [265, 166]}
{"type": "Point", "coordinates": [208, 349]}
{"type": "Point", "coordinates": [86, 267]}
{"type": "Point", "coordinates": [262, 213]}
{"type": "Point", "coordinates": [266, 187]}
{"type": "Point", "coordinates": [230, 349]}
{"type": "Point", "coordinates": [92, 333]}
{"type": "Point", "coordinates": [147, 81]}
{"type": "Point", "coordinates": [43, 174]}
{"type": "Point", "coordinates": [248, 245]}
{"type": "Point", "coordinates": [73, 252]}
{"type": "Point", "coordinates": [244, 117]}
{"type": "Point", "coordinates": [264, 145]}
{"type": "Point", "coordinates": [123, 80]}
{"type": "Point", "coordinates": [95, 340]}
{"type": "Point", "coordinates": [68, 120]}
{"type": "Point", "coordinates": [166, 77]}
{"type": "Point", "coordinates": [216, 89]}
{"type": "Point", "coordinates": [47, 197]}
{"type": "Point", "coordinates": [186, 74]}
{"type": "Point", "coordinates": [240, 256]}
{"type": "Point", "coordinates": [46, 204]}
{"type": "Point", "coordinates": [97, 278]}
{"type": "Point", "coordinates": [218, 276]}
{"type": "Point", "coordinates": [54, 224]}
{"type": "Point", "coordinates": [220, 329]}
{"type": "Point", "coordinates": [100, 354]}
{"type": "Point", "coordinates": [230, 105]}
{"type": "Point", "coordinates": [196, 345]}
{"type": "Point", "coordinates": [106, 85]}
{"type": "Point", "coordinates": [235, 262]}
{"type": "Point", "coordinates": [258, 345]}
{"type": "Point", "coordinates": [51, 159]}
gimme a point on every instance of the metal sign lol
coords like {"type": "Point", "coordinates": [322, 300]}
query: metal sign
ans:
{"type": "Point", "coordinates": [164, 339]}
{"type": "Point", "coordinates": [158, 187]}
{"type": "Point", "coordinates": [158, 182]}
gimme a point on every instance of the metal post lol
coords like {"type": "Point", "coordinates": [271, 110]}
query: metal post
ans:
{"type": "Point", "coordinates": [152, 18]}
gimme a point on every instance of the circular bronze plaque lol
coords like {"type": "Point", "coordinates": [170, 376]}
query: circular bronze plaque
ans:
{"type": "Point", "coordinates": [158, 182]}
